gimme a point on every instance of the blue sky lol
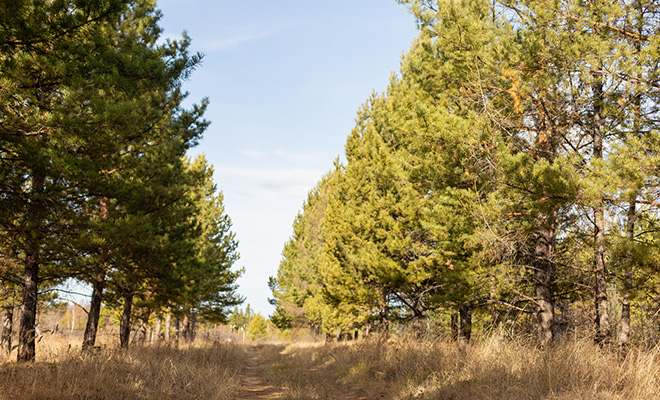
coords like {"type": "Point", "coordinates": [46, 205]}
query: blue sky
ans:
{"type": "Point", "coordinates": [285, 80]}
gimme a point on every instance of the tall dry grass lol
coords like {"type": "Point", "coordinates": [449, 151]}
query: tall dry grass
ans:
{"type": "Point", "coordinates": [406, 368]}
{"type": "Point", "coordinates": [62, 371]}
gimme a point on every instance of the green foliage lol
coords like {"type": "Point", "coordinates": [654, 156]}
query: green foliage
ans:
{"type": "Point", "coordinates": [475, 178]}
{"type": "Point", "coordinates": [240, 318]}
{"type": "Point", "coordinates": [258, 328]}
{"type": "Point", "coordinates": [96, 185]}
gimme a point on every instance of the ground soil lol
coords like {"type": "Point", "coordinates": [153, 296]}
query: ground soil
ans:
{"type": "Point", "coordinates": [254, 386]}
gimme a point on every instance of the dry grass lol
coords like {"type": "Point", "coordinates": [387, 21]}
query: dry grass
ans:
{"type": "Point", "coordinates": [394, 368]}
{"type": "Point", "coordinates": [199, 371]}
{"type": "Point", "coordinates": [397, 368]}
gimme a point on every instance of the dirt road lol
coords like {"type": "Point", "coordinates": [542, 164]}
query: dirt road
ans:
{"type": "Point", "coordinates": [254, 386]}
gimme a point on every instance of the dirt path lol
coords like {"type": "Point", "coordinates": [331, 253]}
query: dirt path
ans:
{"type": "Point", "coordinates": [254, 386]}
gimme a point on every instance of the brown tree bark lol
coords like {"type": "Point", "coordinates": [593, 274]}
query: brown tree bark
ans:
{"type": "Point", "coordinates": [465, 331]}
{"type": "Point", "coordinates": [168, 324]}
{"type": "Point", "coordinates": [629, 262]}
{"type": "Point", "coordinates": [383, 313]}
{"type": "Point", "coordinates": [7, 329]}
{"type": "Point", "coordinates": [192, 320]}
{"type": "Point", "coordinates": [543, 253]}
{"type": "Point", "coordinates": [125, 325]}
{"type": "Point", "coordinates": [177, 329]}
{"type": "Point", "coordinates": [624, 324]}
{"type": "Point", "coordinates": [602, 320]}
{"type": "Point", "coordinates": [28, 319]}
{"type": "Point", "coordinates": [543, 278]}
{"type": "Point", "coordinates": [159, 322]}
{"type": "Point", "coordinates": [144, 330]}
{"type": "Point", "coordinates": [494, 320]}
{"type": "Point", "coordinates": [27, 326]}
{"type": "Point", "coordinates": [94, 314]}
{"type": "Point", "coordinates": [93, 317]}
{"type": "Point", "coordinates": [186, 328]}
{"type": "Point", "coordinates": [454, 325]}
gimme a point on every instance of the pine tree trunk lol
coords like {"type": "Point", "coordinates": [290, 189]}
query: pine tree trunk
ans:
{"type": "Point", "coordinates": [159, 321]}
{"type": "Point", "coordinates": [454, 325]}
{"type": "Point", "coordinates": [542, 262]}
{"type": "Point", "coordinates": [193, 326]}
{"type": "Point", "coordinates": [7, 329]}
{"type": "Point", "coordinates": [186, 327]}
{"type": "Point", "coordinates": [543, 278]}
{"type": "Point", "coordinates": [125, 325]}
{"type": "Point", "coordinates": [465, 331]}
{"type": "Point", "coordinates": [28, 319]}
{"type": "Point", "coordinates": [177, 329]}
{"type": "Point", "coordinates": [27, 325]}
{"type": "Point", "coordinates": [602, 320]}
{"type": "Point", "coordinates": [168, 324]}
{"type": "Point", "coordinates": [384, 321]}
{"type": "Point", "coordinates": [624, 327]}
{"type": "Point", "coordinates": [493, 310]}
{"type": "Point", "coordinates": [418, 324]}
{"type": "Point", "coordinates": [144, 328]}
{"type": "Point", "coordinates": [144, 331]}
{"type": "Point", "coordinates": [93, 317]}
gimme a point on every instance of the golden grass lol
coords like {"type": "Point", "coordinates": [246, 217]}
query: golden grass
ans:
{"type": "Point", "coordinates": [387, 368]}
{"type": "Point", "coordinates": [198, 371]}
{"type": "Point", "coordinates": [400, 368]}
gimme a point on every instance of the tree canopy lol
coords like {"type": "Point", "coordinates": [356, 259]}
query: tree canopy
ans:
{"type": "Point", "coordinates": [95, 182]}
{"type": "Point", "coordinates": [508, 171]}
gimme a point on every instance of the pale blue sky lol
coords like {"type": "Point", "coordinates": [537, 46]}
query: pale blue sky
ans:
{"type": "Point", "coordinates": [285, 80]}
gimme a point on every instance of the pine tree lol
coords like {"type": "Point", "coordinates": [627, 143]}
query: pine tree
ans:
{"type": "Point", "coordinates": [45, 53]}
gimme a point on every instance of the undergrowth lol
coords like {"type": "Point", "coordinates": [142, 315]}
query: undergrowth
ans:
{"type": "Point", "coordinates": [408, 368]}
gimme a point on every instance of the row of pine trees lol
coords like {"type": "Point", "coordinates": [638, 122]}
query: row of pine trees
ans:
{"type": "Point", "coordinates": [94, 182]}
{"type": "Point", "coordinates": [510, 173]}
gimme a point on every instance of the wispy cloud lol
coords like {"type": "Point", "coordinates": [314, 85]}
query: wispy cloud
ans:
{"type": "Point", "coordinates": [252, 153]}
{"type": "Point", "coordinates": [297, 157]}
{"type": "Point", "coordinates": [232, 38]}
{"type": "Point", "coordinates": [287, 182]}
{"type": "Point", "coordinates": [230, 42]}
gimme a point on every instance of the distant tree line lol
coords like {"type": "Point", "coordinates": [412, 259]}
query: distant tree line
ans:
{"type": "Point", "coordinates": [509, 173]}
{"type": "Point", "coordinates": [94, 181]}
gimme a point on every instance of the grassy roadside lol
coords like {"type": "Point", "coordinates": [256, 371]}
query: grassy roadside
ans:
{"type": "Point", "coordinates": [198, 371]}
{"type": "Point", "coordinates": [399, 368]}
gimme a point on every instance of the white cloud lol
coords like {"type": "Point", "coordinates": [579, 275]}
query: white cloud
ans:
{"type": "Point", "coordinates": [252, 153]}
{"type": "Point", "coordinates": [231, 42]}
{"type": "Point", "coordinates": [235, 37]}
{"type": "Point", "coordinates": [299, 158]}
{"type": "Point", "coordinates": [289, 182]}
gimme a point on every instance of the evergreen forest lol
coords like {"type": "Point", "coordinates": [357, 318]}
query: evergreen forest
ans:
{"type": "Point", "coordinates": [506, 181]}
{"type": "Point", "coordinates": [95, 184]}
